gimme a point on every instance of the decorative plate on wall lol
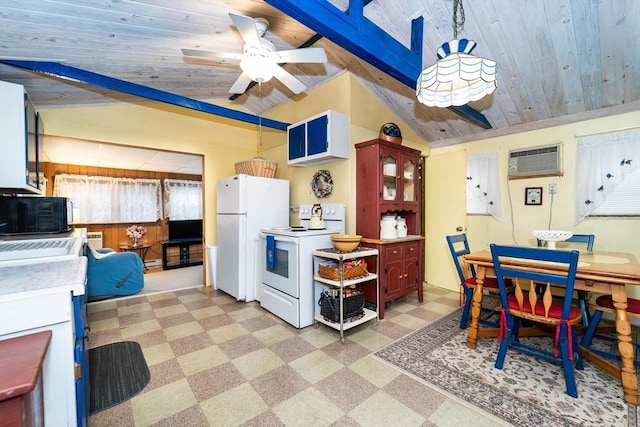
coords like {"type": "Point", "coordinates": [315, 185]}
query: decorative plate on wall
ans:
{"type": "Point", "coordinates": [322, 184]}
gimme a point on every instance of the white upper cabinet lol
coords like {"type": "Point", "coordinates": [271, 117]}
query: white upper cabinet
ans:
{"type": "Point", "coordinates": [21, 134]}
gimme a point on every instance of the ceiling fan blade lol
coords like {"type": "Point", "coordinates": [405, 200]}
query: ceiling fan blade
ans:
{"type": "Point", "coordinates": [213, 55]}
{"type": "Point", "coordinates": [306, 55]}
{"type": "Point", "coordinates": [295, 85]}
{"type": "Point", "coordinates": [241, 84]}
{"type": "Point", "coordinates": [247, 28]}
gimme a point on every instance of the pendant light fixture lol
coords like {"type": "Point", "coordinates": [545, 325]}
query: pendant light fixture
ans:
{"type": "Point", "coordinates": [458, 77]}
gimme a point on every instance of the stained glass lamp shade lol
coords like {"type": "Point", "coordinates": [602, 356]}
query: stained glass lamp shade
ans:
{"type": "Point", "coordinates": [457, 78]}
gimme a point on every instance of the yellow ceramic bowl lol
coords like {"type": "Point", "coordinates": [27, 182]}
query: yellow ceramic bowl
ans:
{"type": "Point", "coordinates": [346, 242]}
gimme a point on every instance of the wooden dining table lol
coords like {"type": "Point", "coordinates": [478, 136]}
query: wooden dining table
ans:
{"type": "Point", "coordinates": [599, 272]}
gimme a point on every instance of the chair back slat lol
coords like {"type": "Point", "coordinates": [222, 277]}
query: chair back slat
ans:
{"type": "Point", "coordinates": [466, 270]}
{"type": "Point", "coordinates": [547, 299]}
{"type": "Point", "coordinates": [519, 294]}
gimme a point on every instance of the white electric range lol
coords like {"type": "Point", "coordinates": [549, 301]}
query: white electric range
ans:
{"type": "Point", "coordinates": [286, 263]}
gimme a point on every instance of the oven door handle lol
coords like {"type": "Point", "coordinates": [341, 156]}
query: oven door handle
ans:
{"type": "Point", "coordinates": [280, 238]}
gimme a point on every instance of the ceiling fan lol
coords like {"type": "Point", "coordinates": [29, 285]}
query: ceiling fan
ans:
{"type": "Point", "coordinates": [259, 59]}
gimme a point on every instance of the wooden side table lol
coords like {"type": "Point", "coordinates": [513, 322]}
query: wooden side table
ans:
{"type": "Point", "coordinates": [21, 392]}
{"type": "Point", "coordinates": [141, 250]}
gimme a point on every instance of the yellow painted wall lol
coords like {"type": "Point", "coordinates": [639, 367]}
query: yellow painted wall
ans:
{"type": "Point", "coordinates": [612, 234]}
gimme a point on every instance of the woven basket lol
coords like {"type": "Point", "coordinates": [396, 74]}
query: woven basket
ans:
{"type": "Point", "coordinates": [257, 167]}
{"type": "Point", "coordinates": [351, 270]}
{"type": "Point", "coordinates": [352, 305]}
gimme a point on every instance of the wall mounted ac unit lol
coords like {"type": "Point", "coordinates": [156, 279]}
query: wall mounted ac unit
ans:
{"type": "Point", "coordinates": [535, 162]}
{"type": "Point", "coordinates": [95, 237]}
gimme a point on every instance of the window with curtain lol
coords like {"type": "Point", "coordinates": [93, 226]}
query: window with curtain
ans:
{"type": "Point", "coordinates": [483, 186]}
{"type": "Point", "coordinates": [607, 174]}
{"type": "Point", "coordinates": [182, 199]}
{"type": "Point", "coordinates": [101, 199]}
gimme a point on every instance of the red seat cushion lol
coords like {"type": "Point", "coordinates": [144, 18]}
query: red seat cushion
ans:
{"type": "Point", "coordinates": [555, 311]}
{"type": "Point", "coordinates": [489, 282]}
{"type": "Point", "coordinates": [607, 302]}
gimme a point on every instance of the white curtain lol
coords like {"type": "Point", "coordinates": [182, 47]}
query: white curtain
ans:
{"type": "Point", "coordinates": [602, 163]}
{"type": "Point", "coordinates": [101, 199]}
{"type": "Point", "coordinates": [182, 199]}
{"type": "Point", "coordinates": [483, 186]}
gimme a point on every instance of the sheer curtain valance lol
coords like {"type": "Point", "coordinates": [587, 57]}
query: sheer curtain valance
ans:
{"type": "Point", "coordinates": [602, 163]}
{"type": "Point", "coordinates": [182, 199]}
{"type": "Point", "coordinates": [101, 199]}
{"type": "Point", "coordinates": [483, 186]}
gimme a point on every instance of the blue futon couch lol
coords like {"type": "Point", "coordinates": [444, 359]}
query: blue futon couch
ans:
{"type": "Point", "coordinates": [111, 273]}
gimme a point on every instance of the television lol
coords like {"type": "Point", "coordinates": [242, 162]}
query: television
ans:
{"type": "Point", "coordinates": [186, 229]}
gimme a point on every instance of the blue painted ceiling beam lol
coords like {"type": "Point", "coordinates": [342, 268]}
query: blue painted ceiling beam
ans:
{"type": "Point", "coordinates": [358, 35]}
{"type": "Point", "coordinates": [355, 33]}
{"type": "Point", "coordinates": [55, 69]}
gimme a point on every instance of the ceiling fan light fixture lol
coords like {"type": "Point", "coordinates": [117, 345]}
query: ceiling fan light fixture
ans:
{"type": "Point", "coordinates": [257, 68]}
{"type": "Point", "coordinates": [457, 78]}
{"type": "Point", "coordinates": [260, 61]}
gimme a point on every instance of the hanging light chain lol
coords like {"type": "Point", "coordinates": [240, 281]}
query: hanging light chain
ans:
{"type": "Point", "coordinates": [457, 25]}
{"type": "Point", "coordinates": [260, 115]}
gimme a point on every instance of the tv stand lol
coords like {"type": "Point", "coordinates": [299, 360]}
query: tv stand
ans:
{"type": "Point", "coordinates": [181, 253]}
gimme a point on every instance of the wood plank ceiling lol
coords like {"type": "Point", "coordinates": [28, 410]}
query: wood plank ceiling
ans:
{"type": "Point", "coordinates": [558, 60]}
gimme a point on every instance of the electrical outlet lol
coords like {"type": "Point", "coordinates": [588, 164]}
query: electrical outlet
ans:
{"type": "Point", "coordinates": [553, 188]}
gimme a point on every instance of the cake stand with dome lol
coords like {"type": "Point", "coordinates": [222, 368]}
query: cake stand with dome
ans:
{"type": "Point", "coordinates": [552, 236]}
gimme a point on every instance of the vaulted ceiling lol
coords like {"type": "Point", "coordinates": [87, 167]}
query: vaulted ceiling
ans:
{"type": "Point", "coordinates": [558, 60]}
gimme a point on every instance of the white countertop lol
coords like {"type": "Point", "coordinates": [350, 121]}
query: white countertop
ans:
{"type": "Point", "coordinates": [25, 281]}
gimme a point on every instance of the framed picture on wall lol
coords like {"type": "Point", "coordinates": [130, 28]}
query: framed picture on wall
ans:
{"type": "Point", "coordinates": [533, 196]}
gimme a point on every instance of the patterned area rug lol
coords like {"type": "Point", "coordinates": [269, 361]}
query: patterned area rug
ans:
{"type": "Point", "coordinates": [526, 392]}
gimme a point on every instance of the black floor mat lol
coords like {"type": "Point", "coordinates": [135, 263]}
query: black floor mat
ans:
{"type": "Point", "coordinates": [117, 372]}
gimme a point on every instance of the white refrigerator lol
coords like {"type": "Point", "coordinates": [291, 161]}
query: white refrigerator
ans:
{"type": "Point", "coordinates": [245, 205]}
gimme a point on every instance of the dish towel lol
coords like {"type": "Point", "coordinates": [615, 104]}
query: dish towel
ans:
{"type": "Point", "coordinates": [271, 252]}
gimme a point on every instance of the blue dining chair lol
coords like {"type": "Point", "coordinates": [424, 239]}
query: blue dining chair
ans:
{"type": "Point", "coordinates": [459, 246]}
{"type": "Point", "coordinates": [583, 296]}
{"type": "Point", "coordinates": [604, 304]}
{"type": "Point", "coordinates": [524, 305]}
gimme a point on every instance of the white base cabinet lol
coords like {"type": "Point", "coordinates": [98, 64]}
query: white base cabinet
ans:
{"type": "Point", "coordinates": [39, 297]}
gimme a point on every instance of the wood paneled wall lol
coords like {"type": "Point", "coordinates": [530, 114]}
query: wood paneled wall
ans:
{"type": "Point", "coordinates": [114, 235]}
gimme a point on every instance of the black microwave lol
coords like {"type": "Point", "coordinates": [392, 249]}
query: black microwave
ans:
{"type": "Point", "coordinates": [35, 215]}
